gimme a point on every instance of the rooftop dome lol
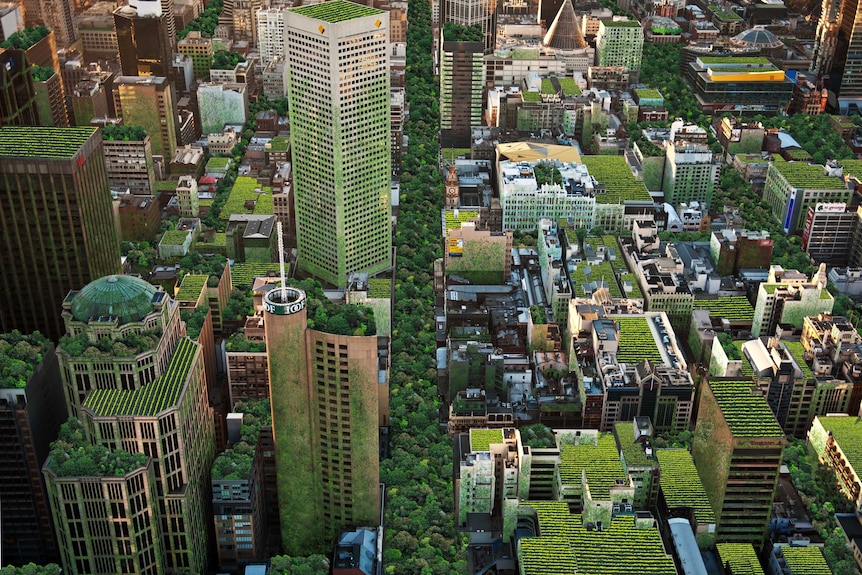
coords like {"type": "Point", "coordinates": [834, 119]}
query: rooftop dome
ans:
{"type": "Point", "coordinates": [756, 38]}
{"type": "Point", "coordinates": [126, 298]}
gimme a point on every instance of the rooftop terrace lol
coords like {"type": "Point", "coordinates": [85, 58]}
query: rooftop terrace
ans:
{"type": "Point", "coordinates": [336, 11]}
{"type": "Point", "coordinates": [43, 142]}
{"type": "Point", "coordinates": [681, 484]}
{"type": "Point", "coordinates": [747, 414]}
{"type": "Point", "coordinates": [601, 462]}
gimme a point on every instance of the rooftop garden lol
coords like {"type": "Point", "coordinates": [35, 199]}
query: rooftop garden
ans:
{"type": "Point", "coordinates": [32, 569]}
{"type": "Point", "coordinates": [538, 436]}
{"type": "Point", "coordinates": [379, 288]}
{"type": "Point", "coordinates": [236, 462]}
{"type": "Point", "coordinates": [148, 401]}
{"type": "Point", "coordinates": [25, 38]}
{"type": "Point", "coordinates": [323, 315]}
{"type": "Point", "coordinates": [648, 93]}
{"type": "Point", "coordinates": [633, 452]}
{"type": "Point", "coordinates": [601, 462]}
{"type": "Point", "coordinates": [238, 342]}
{"type": "Point", "coordinates": [546, 173]}
{"type": "Point", "coordinates": [747, 414]}
{"type": "Point", "coordinates": [128, 346]}
{"type": "Point", "coordinates": [734, 308]}
{"type": "Point", "coordinates": [205, 22]}
{"type": "Point", "coordinates": [165, 185]}
{"type": "Point", "coordinates": [43, 142]}
{"type": "Point", "coordinates": [620, 183]}
{"type": "Point", "coordinates": [747, 370]}
{"type": "Point", "coordinates": [566, 546]}
{"type": "Point", "coordinates": [569, 86]}
{"type": "Point", "coordinates": [797, 351]}
{"type": "Point", "coordinates": [194, 320]}
{"type": "Point", "coordinates": [806, 176]}
{"type": "Point", "coordinates": [242, 274]}
{"type": "Point", "coordinates": [451, 219]}
{"type": "Point", "coordinates": [529, 96]}
{"type": "Point", "coordinates": [457, 33]}
{"type": "Point", "coordinates": [210, 265]}
{"type": "Point", "coordinates": [279, 144]}
{"type": "Point", "coordinates": [762, 60]}
{"type": "Point", "coordinates": [681, 484]}
{"type": "Point", "coordinates": [125, 133]}
{"type": "Point", "coordinates": [548, 87]}
{"type": "Point", "coordinates": [636, 342]}
{"type": "Point", "coordinates": [246, 189]}
{"type": "Point", "coordinates": [604, 271]}
{"type": "Point", "coordinates": [806, 560]}
{"type": "Point", "coordinates": [20, 355]}
{"type": "Point", "coordinates": [724, 15]}
{"type": "Point", "coordinates": [41, 73]}
{"type": "Point", "coordinates": [72, 455]}
{"type": "Point", "coordinates": [191, 286]}
{"type": "Point", "coordinates": [741, 558]}
{"type": "Point", "coordinates": [798, 155]}
{"type": "Point", "coordinates": [482, 439]}
{"type": "Point", "coordinates": [175, 237]}
{"type": "Point", "coordinates": [226, 60]}
{"type": "Point", "coordinates": [217, 163]}
{"type": "Point", "coordinates": [337, 11]}
{"type": "Point", "coordinates": [621, 23]}
{"type": "Point", "coordinates": [847, 432]}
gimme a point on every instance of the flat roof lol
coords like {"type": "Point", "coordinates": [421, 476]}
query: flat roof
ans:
{"type": "Point", "coordinates": [847, 432]}
{"type": "Point", "coordinates": [746, 412]}
{"type": "Point", "coordinates": [685, 543]}
{"type": "Point", "coordinates": [42, 141]}
{"type": "Point", "coordinates": [533, 151]}
{"type": "Point", "coordinates": [336, 11]}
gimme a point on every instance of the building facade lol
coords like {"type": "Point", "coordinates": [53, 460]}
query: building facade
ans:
{"type": "Point", "coordinates": [690, 174]}
{"type": "Point", "coordinates": [58, 222]}
{"type": "Point", "coordinates": [620, 43]}
{"type": "Point", "coordinates": [149, 102]}
{"type": "Point", "coordinates": [270, 34]}
{"type": "Point", "coordinates": [129, 164]}
{"type": "Point", "coordinates": [340, 138]}
{"type": "Point", "coordinates": [786, 297]}
{"type": "Point", "coordinates": [461, 87]}
{"type": "Point", "coordinates": [144, 40]}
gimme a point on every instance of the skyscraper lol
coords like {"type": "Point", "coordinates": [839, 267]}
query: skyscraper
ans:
{"type": "Point", "coordinates": [270, 34]}
{"type": "Point", "coordinates": [17, 93]}
{"type": "Point", "coordinates": [56, 222]}
{"type": "Point", "coordinates": [329, 395]}
{"type": "Point", "coordinates": [621, 43]}
{"type": "Point", "coordinates": [149, 102]}
{"type": "Point", "coordinates": [838, 51]}
{"type": "Point", "coordinates": [462, 76]}
{"type": "Point", "coordinates": [338, 88]}
{"type": "Point", "coordinates": [481, 13]}
{"type": "Point", "coordinates": [144, 40]}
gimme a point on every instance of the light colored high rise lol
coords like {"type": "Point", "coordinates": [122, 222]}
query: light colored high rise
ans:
{"type": "Point", "coordinates": [838, 51]}
{"type": "Point", "coordinates": [338, 86]}
{"type": "Point", "coordinates": [270, 34]}
{"type": "Point", "coordinates": [620, 43]}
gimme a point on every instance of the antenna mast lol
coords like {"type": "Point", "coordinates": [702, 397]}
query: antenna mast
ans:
{"type": "Point", "coordinates": [281, 254]}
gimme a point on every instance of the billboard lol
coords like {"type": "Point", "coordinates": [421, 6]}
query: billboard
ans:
{"type": "Point", "coordinates": [832, 208]}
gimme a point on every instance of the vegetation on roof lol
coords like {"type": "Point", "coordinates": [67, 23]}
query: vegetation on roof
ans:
{"type": "Point", "coordinates": [681, 484]}
{"type": "Point", "coordinates": [747, 370]}
{"type": "Point", "coordinates": [724, 15]}
{"type": "Point", "coordinates": [548, 87]}
{"type": "Point", "coordinates": [621, 23]}
{"type": "Point", "coordinates": [601, 462]}
{"type": "Point", "coordinates": [226, 60]}
{"type": "Point", "coordinates": [236, 462]}
{"type": "Point", "coordinates": [569, 86]}
{"type": "Point", "coordinates": [458, 33]}
{"type": "Point", "coordinates": [175, 237]}
{"type": "Point", "coordinates": [807, 560]}
{"type": "Point", "coordinates": [326, 316]}
{"type": "Point", "coordinates": [620, 183]}
{"type": "Point", "coordinates": [636, 341]}
{"type": "Point", "coordinates": [20, 355]}
{"type": "Point", "coordinates": [242, 274]}
{"type": "Point", "coordinates": [72, 455]}
{"type": "Point", "coordinates": [194, 320]}
{"type": "Point", "coordinates": [279, 144]}
{"type": "Point", "coordinates": [32, 569]}
{"type": "Point", "coordinates": [746, 412]}
{"type": "Point", "coordinates": [127, 346]}
{"type": "Point", "coordinates": [734, 60]}
{"type": "Point", "coordinates": [797, 351]}
{"type": "Point", "coordinates": [238, 342]}
{"type": "Point", "coordinates": [567, 546]}
{"type": "Point", "coordinates": [546, 173]}
{"type": "Point", "coordinates": [531, 96]}
{"type": "Point", "coordinates": [152, 399]}
{"type": "Point", "coordinates": [379, 288]}
{"type": "Point", "coordinates": [538, 436]}
{"type": "Point", "coordinates": [217, 163]}
{"type": "Point", "coordinates": [212, 265]}
{"type": "Point", "coordinates": [247, 189]}
{"type": "Point", "coordinates": [205, 22]}
{"type": "Point", "coordinates": [43, 142]}
{"type": "Point", "coordinates": [798, 155]}
{"type": "Point", "coordinates": [735, 308]}
{"type": "Point", "coordinates": [633, 451]}
{"type": "Point", "coordinates": [191, 286]}
{"type": "Point", "coordinates": [454, 218]}
{"type": "Point", "coordinates": [584, 273]}
{"type": "Point", "coordinates": [41, 73]}
{"type": "Point", "coordinates": [847, 432]}
{"type": "Point", "coordinates": [482, 439]}
{"type": "Point", "coordinates": [741, 557]}
{"type": "Point", "coordinates": [125, 133]}
{"type": "Point", "coordinates": [336, 11]}
{"type": "Point", "coordinates": [649, 93]}
{"type": "Point", "coordinates": [26, 38]}
{"type": "Point", "coordinates": [806, 176]}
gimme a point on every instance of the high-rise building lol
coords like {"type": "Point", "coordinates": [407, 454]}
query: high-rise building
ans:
{"type": "Point", "coordinates": [481, 13]}
{"type": "Point", "coordinates": [838, 51]}
{"type": "Point", "coordinates": [58, 16]}
{"type": "Point", "coordinates": [144, 40]}
{"type": "Point", "coordinates": [241, 16]}
{"type": "Point", "coordinates": [329, 395]}
{"type": "Point", "coordinates": [270, 34]}
{"type": "Point", "coordinates": [338, 89]}
{"type": "Point", "coordinates": [149, 102]}
{"type": "Point", "coordinates": [461, 86]}
{"type": "Point", "coordinates": [11, 20]}
{"type": "Point", "coordinates": [737, 449]}
{"type": "Point", "coordinates": [786, 297]}
{"type": "Point", "coordinates": [620, 43]}
{"type": "Point", "coordinates": [57, 222]}
{"type": "Point", "coordinates": [50, 97]}
{"type": "Point", "coordinates": [17, 93]}
{"type": "Point", "coordinates": [200, 50]}
{"type": "Point", "coordinates": [31, 411]}
{"type": "Point", "coordinates": [129, 159]}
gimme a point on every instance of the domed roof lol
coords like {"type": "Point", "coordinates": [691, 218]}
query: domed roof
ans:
{"type": "Point", "coordinates": [757, 37]}
{"type": "Point", "coordinates": [126, 298]}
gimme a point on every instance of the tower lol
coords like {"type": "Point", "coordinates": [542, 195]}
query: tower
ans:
{"type": "Point", "coordinates": [481, 13]}
{"type": "Point", "coordinates": [143, 37]}
{"type": "Point", "coordinates": [621, 43]}
{"type": "Point", "coordinates": [270, 34]}
{"type": "Point", "coordinates": [17, 93]}
{"type": "Point", "coordinates": [338, 89]}
{"type": "Point", "coordinates": [838, 51]}
{"type": "Point", "coordinates": [149, 102]}
{"type": "Point", "coordinates": [462, 76]}
{"type": "Point", "coordinates": [452, 189]}
{"type": "Point", "coordinates": [56, 222]}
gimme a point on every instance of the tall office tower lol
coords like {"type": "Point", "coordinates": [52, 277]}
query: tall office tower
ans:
{"type": "Point", "coordinates": [200, 50]}
{"type": "Point", "coordinates": [838, 51]}
{"type": "Point", "coordinates": [244, 18]}
{"type": "Point", "coordinates": [144, 40]}
{"type": "Point", "coordinates": [58, 15]}
{"type": "Point", "coordinates": [129, 159]}
{"type": "Point", "coordinates": [482, 13]}
{"type": "Point", "coordinates": [17, 93]}
{"type": "Point", "coordinates": [31, 411]}
{"type": "Point", "coordinates": [50, 97]}
{"type": "Point", "coordinates": [338, 89]}
{"type": "Point", "coordinates": [737, 449]}
{"type": "Point", "coordinates": [462, 78]}
{"type": "Point", "coordinates": [149, 102]}
{"type": "Point", "coordinates": [329, 394]}
{"type": "Point", "coordinates": [270, 34]}
{"type": "Point", "coordinates": [620, 43]}
{"type": "Point", "coordinates": [57, 219]}
{"type": "Point", "coordinates": [137, 385]}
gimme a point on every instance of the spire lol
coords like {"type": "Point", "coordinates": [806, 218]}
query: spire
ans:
{"type": "Point", "coordinates": [563, 33]}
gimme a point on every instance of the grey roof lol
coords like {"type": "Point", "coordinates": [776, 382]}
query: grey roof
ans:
{"type": "Point", "coordinates": [757, 37]}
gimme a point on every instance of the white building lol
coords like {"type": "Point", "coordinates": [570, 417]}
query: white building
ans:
{"type": "Point", "coordinates": [270, 34]}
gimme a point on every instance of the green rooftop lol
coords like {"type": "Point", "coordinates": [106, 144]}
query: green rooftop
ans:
{"type": "Point", "coordinates": [531, 96]}
{"type": "Point", "coordinates": [336, 11]}
{"type": "Point", "coordinates": [806, 560]}
{"type": "Point", "coordinates": [806, 176]}
{"type": "Point", "coordinates": [741, 557]}
{"type": "Point", "coordinates": [246, 189]}
{"type": "Point", "coordinates": [601, 462]}
{"type": "Point", "coordinates": [43, 142]}
{"type": "Point", "coordinates": [760, 60]}
{"type": "Point", "coordinates": [482, 439]}
{"type": "Point", "coordinates": [636, 341]}
{"type": "Point", "coordinates": [620, 184]}
{"type": "Point", "coordinates": [724, 15]}
{"type": "Point", "coordinates": [279, 144]}
{"type": "Point", "coordinates": [191, 286]}
{"type": "Point", "coordinates": [847, 432]}
{"type": "Point", "coordinates": [242, 274]}
{"type": "Point", "coordinates": [797, 351]}
{"type": "Point", "coordinates": [746, 412]}
{"type": "Point", "coordinates": [569, 86]}
{"type": "Point", "coordinates": [152, 399]}
{"type": "Point", "coordinates": [633, 452]}
{"type": "Point", "coordinates": [20, 355]}
{"type": "Point", "coordinates": [650, 93]}
{"type": "Point", "coordinates": [681, 484]}
{"type": "Point", "coordinates": [734, 308]}
{"type": "Point", "coordinates": [621, 23]}
{"type": "Point", "coordinates": [452, 220]}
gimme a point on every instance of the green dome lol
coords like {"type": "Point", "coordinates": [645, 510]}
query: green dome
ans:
{"type": "Point", "coordinates": [126, 298]}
